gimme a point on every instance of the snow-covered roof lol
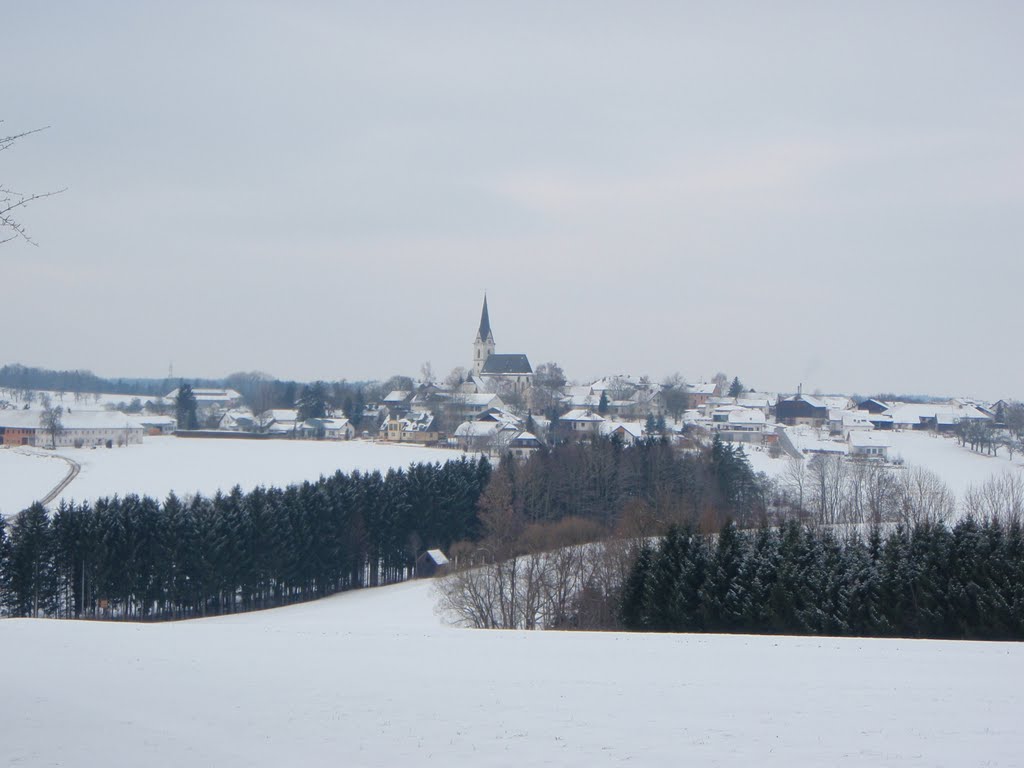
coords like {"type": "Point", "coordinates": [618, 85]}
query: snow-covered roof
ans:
{"type": "Point", "coordinates": [397, 396]}
{"type": "Point", "coordinates": [477, 429]}
{"type": "Point", "coordinates": [581, 414]}
{"type": "Point", "coordinates": [702, 388]}
{"type": "Point", "coordinates": [868, 440]}
{"type": "Point", "coordinates": [155, 420]}
{"type": "Point", "coordinates": [943, 413]}
{"type": "Point", "coordinates": [525, 440]}
{"type": "Point", "coordinates": [478, 400]}
{"type": "Point", "coordinates": [634, 428]}
{"type": "Point", "coordinates": [208, 395]}
{"type": "Point", "coordinates": [582, 401]}
{"type": "Point", "coordinates": [753, 402]}
{"type": "Point", "coordinates": [281, 414]}
{"type": "Point", "coordinates": [437, 556]}
{"type": "Point", "coordinates": [75, 419]}
{"type": "Point", "coordinates": [333, 425]}
{"type": "Point", "coordinates": [746, 416]}
{"type": "Point", "coordinates": [841, 402]}
{"type": "Point", "coordinates": [853, 419]}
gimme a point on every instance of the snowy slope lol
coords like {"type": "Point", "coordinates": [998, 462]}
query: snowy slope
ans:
{"type": "Point", "coordinates": [372, 678]}
{"type": "Point", "coordinates": [164, 464]}
{"type": "Point", "coordinates": [958, 467]}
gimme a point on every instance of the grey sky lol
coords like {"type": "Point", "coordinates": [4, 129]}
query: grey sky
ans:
{"type": "Point", "coordinates": [830, 193]}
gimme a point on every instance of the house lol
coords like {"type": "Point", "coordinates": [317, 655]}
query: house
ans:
{"type": "Point", "coordinates": [205, 397]}
{"type": "Point", "coordinates": [871, 405]}
{"type": "Point", "coordinates": [327, 429]}
{"type": "Point", "coordinates": [465, 406]}
{"type": "Point", "coordinates": [157, 425]}
{"type": "Point", "coordinates": [580, 423]}
{"type": "Point", "coordinates": [513, 370]}
{"type": "Point", "coordinates": [398, 401]}
{"type": "Point", "coordinates": [373, 417]}
{"type": "Point", "coordinates": [238, 420]}
{"type": "Point", "coordinates": [868, 445]}
{"type": "Point", "coordinates": [801, 409]}
{"type": "Point", "coordinates": [79, 429]}
{"type": "Point", "coordinates": [524, 445]}
{"type": "Point", "coordinates": [940, 417]}
{"type": "Point", "coordinates": [475, 435]}
{"type": "Point", "coordinates": [281, 421]}
{"type": "Point", "coordinates": [419, 428]}
{"type": "Point", "coordinates": [842, 422]}
{"type": "Point", "coordinates": [626, 432]}
{"type": "Point", "coordinates": [431, 563]}
{"type": "Point", "coordinates": [700, 392]}
{"type": "Point", "coordinates": [740, 425]}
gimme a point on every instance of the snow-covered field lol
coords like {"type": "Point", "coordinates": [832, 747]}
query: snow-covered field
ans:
{"type": "Point", "coordinates": [26, 477]}
{"type": "Point", "coordinates": [958, 467]}
{"type": "Point", "coordinates": [164, 464]}
{"type": "Point", "coordinates": [373, 678]}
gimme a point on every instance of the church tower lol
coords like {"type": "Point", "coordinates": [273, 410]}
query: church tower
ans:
{"type": "Point", "coordinates": [483, 346]}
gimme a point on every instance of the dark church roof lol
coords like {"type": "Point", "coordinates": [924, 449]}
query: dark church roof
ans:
{"type": "Point", "coordinates": [485, 324]}
{"type": "Point", "coordinates": [503, 365]}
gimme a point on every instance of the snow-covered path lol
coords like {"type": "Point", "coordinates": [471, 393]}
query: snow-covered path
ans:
{"type": "Point", "coordinates": [374, 678]}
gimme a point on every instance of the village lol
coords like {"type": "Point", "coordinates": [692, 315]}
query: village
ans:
{"type": "Point", "coordinates": [501, 406]}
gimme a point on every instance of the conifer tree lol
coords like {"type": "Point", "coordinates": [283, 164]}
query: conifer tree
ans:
{"type": "Point", "coordinates": [185, 408]}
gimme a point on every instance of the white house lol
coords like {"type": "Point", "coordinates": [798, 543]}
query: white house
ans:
{"type": "Point", "coordinates": [581, 422]}
{"type": "Point", "coordinates": [868, 444]}
{"type": "Point", "coordinates": [79, 429]}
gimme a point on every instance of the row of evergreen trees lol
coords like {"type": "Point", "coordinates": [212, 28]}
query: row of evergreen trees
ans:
{"type": "Point", "coordinates": [926, 581]}
{"type": "Point", "coordinates": [134, 557]}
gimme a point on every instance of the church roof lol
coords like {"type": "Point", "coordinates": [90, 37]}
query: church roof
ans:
{"type": "Point", "coordinates": [502, 365]}
{"type": "Point", "coordinates": [485, 324]}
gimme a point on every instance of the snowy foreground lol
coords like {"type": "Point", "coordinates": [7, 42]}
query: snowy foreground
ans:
{"type": "Point", "coordinates": [373, 678]}
{"type": "Point", "coordinates": [164, 464]}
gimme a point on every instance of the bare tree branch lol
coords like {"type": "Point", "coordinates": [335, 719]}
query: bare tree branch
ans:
{"type": "Point", "coordinates": [11, 200]}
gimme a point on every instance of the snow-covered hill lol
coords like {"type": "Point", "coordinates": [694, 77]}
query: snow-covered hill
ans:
{"type": "Point", "coordinates": [373, 678]}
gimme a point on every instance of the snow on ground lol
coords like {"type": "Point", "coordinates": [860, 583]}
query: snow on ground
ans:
{"type": "Point", "coordinates": [189, 465]}
{"type": "Point", "coordinates": [958, 467]}
{"type": "Point", "coordinates": [25, 477]}
{"type": "Point", "coordinates": [372, 678]}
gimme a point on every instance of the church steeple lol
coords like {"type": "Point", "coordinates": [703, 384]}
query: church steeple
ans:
{"type": "Point", "coordinates": [485, 324]}
{"type": "Point", "coordinates": [483, 345]}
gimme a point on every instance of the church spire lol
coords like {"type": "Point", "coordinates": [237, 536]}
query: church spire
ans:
{"type": "Point", "coordinates": [485, 324]}
{"type": "Point", "coordinates": [483, 346]}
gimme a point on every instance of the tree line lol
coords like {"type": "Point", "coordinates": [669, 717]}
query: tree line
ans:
{"type": "Point", "coordinates": [923, 581]}
{"type": "Point", "coordinates": [641, 488]}
{"type": "Point", "coordinates": [133, 557]}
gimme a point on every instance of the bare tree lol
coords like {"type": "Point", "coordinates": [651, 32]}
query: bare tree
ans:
{"type": "Point", "coordinates": [827, 475]}
{"type": "Point", "coordinates": [427, 373]}
{"type": "Point", "coordinates": [12, 201]}
{"type": "Point", "coordinates": [922, 498]}
{"type": "Point", "coordinates": [1000, 499]}
{"type": "Point", "coordinates": [50, 421]}
{"type": "Point", "coordinates": [456, 376]}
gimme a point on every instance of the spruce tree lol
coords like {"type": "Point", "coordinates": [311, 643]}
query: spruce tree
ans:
{"type": "Point", "coordinates": [185, 408]}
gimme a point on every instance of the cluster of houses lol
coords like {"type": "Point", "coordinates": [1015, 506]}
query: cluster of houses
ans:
{"type": "Point", "coordinates": [497, 407]}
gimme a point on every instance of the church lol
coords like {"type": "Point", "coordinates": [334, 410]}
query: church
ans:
{"type": "Point", "coordinates": [498, 371]}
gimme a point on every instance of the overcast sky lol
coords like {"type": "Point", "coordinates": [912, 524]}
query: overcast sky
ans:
{"type": "Point", "coordinates": [826, 193]}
